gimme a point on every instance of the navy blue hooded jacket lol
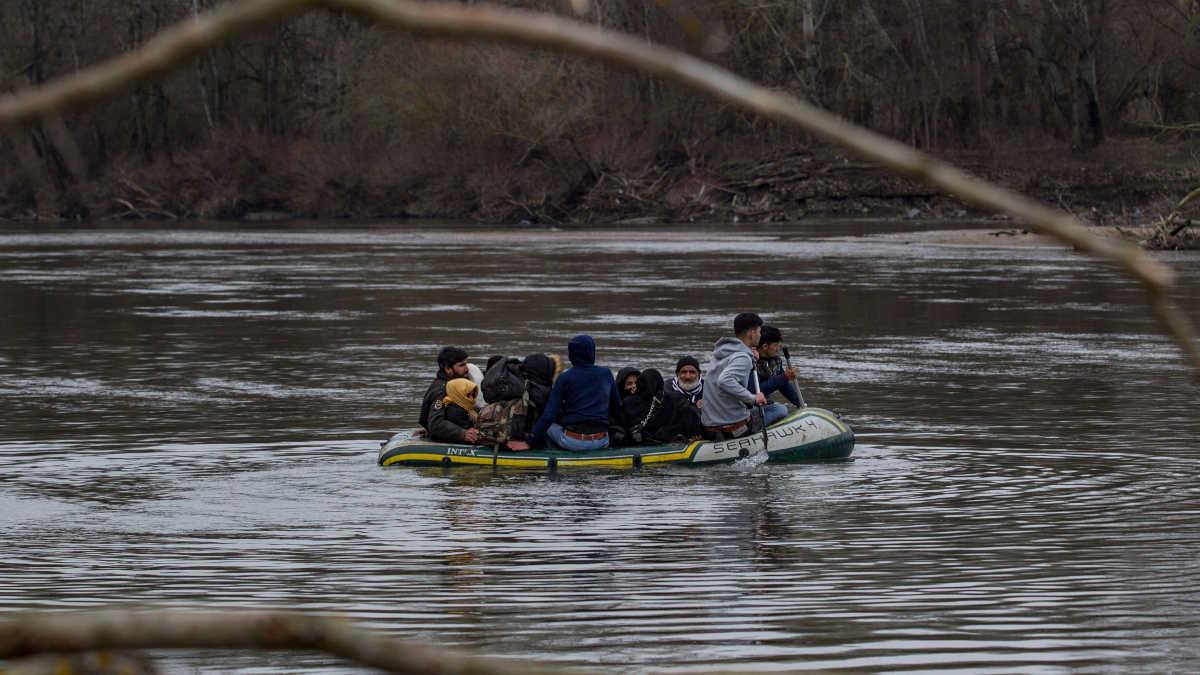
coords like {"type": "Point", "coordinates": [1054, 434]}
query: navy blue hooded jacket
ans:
{"type": "Point", "coordinates": [583, 395]}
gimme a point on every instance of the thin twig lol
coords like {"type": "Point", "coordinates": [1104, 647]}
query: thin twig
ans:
{"type": "Point", "coordinates": [1177, 324]}
{"type": "Point", "coordinates": [67, 632]}
{"type": "Point", "coordinates": [1179, 208]}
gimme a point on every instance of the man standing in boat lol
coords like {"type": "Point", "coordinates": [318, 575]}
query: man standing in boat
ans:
{"type": "Point", "coordinates": [731, 390]}
{"type": "Point", "coordinates": [580, 404]}
{"type": "Point", "coordinates": [452, 364]}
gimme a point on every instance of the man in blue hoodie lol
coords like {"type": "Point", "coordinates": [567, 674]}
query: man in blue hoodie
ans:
{"type": "Point", "coordinates": [732, 387]}
{"type": "Point", "coordinates": [577, 412]}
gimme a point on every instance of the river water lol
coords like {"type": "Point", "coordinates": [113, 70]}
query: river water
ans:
{"type": "Point", "coordinates": [191, 418]}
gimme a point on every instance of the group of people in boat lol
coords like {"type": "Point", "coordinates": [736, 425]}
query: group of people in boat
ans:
{"type": "Point", "coordinates": [533, 402]}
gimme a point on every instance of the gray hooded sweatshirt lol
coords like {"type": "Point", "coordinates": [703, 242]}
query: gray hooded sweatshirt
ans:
{"type": "Point", "coordinates": [729, 379]}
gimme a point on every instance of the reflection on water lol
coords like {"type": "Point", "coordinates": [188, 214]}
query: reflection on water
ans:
{"type": "Point", "coordinates": [192, 417]}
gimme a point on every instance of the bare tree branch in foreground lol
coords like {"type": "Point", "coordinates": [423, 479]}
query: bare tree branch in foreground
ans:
{"type": "Point", "coordinates": [1175, 212]}
{"type": "Point", "coordinates": [66, 632]}
{"type": "Point", "coordinates": [174, 45]}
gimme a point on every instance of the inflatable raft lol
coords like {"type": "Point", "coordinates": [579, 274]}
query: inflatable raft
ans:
{"type": "Point", "coordinates": [808, 434]}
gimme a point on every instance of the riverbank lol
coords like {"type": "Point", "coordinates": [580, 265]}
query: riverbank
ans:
{"type": "Point", "coordinates": [1129, 184]}
{"type": "Point", "coordinates": [1020, 237]}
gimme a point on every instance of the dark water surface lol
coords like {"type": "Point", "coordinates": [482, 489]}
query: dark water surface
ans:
{"type": "Point", "coordinates": [192, 416]}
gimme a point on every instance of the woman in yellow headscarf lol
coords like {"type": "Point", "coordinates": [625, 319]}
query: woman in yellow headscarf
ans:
{"type": "Point", "coordinates": [461, 393]}
{"type": "Point", "coordinates": [450, 417]}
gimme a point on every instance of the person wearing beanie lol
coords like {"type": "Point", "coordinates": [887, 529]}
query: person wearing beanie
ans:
{"type": "Point", "coordinates": [581, 402]}
{"type": "Point", "coordinates": [654, 414]}
{"type": "Point", "coordinates": [687, 381]}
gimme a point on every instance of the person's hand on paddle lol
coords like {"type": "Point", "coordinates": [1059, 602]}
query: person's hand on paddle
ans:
{"type": "Point", "coordinates": [759, 399]}
{"type": "Point", "coordinates": [791, 373]}
{"type": "Point", "coordinates": [471, 435]}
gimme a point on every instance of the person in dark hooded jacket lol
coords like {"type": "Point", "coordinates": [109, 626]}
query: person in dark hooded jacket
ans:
{"type": "Point", "coordinates": [639, 407]}
{"type": "Point", "coordinates": [627, 381]}
{"type": "Point", "coordinates": [539, 371]}
{"type": "Point", "coordinates": [656, 414]}
{"type": "Point", "coordinates": [580, 403]}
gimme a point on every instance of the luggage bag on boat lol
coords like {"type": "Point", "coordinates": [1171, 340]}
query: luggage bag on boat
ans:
{"type": "Point", "coordinates": [504, 381]}
{"type": "Point", "coordinates": [500, 421]}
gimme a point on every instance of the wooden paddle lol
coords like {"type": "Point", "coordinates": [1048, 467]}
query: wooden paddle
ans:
{"type": "Point", "coordinates": [762, 409]}
{"type": "Point", "coordinates": [787, 359]}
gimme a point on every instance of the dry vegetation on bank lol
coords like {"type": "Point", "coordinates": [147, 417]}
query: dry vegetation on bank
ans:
{"type": "Point", "coordinates": [328, 117]}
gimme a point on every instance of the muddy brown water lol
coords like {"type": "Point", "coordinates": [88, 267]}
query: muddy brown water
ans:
{"type": "Point", "coordinates": [191, 416]}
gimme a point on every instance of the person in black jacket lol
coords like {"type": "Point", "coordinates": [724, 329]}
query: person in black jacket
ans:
{"type": "Point", "coordinates": [452, 418]}
{"type": "Point", "coordinates": [540, 371]}
{"type": "Point", "coordinates": [688, 382]}
{"type": "Point", "coordinates": [452, 364]}
{"type": "Point", "coordinates": [656, 414]}
{"type": "Point", "coordinates": [627, 381]}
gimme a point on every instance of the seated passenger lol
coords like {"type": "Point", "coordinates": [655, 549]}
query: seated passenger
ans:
{"type": "Point", "coordinates": [540, 372]}
{"type": "Point", "coordinates": [580, 403]}
{"type": "Point", "coordinates": [773, 376]}
{"type": "Point", "coordinates": [452, 363]}
{"type": "Point", "coordinates": [451, 418]}
{"type": "Point", "coordinates": [627, 381]}
{"type": "Point", "coordinates": [475, 375]}
{"type": "Point", "coordinates": [687, 381]}
{"type": "Point", "coordinates": [683, 424]}
{"type": "Point", "coordinates": [655, 415]}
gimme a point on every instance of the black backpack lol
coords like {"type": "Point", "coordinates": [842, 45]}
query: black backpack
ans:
{"type": "Point", "coordinates": [504, 381]}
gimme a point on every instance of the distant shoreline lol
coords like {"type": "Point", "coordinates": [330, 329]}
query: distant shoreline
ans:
{"type": "Point", "coordinates": [1003, 237]}
{"type": "Point", "coordinates": [995, 232]}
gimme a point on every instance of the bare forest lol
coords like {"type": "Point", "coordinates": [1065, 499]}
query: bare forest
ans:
{"type": "Point", "coordinates": [1083, 102]}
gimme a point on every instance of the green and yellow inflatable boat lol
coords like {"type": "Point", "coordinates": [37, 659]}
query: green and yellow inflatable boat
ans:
{"type": "Point", "coordinates": [807, 435]}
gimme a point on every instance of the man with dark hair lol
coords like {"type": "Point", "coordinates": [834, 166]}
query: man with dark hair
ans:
{"type": "Point", "coordinates": [731, 390]}
{"type": "Point", "coordinates": [452, 364]}
{"type": "Point", "coordinates": [581, 403]}
{"type": "Point", "coordinates": [688, 382]}
{"type": "Point", "coordinates": [773, 376]}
